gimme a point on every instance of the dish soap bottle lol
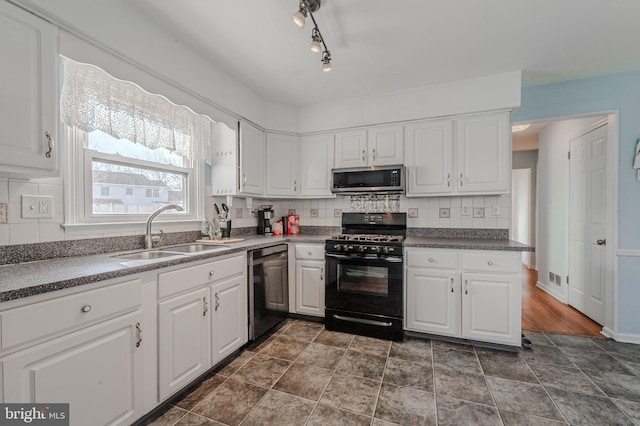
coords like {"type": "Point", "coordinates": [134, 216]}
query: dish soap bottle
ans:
{"type": "Point", "coordinates": [205, 231]}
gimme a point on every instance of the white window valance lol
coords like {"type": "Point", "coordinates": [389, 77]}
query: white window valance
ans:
{"type": "Point", "coordinates": [92, 99]}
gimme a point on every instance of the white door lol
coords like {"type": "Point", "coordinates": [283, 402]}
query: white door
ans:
{"type": "Point", "coordinates": [98, 371]}
{"type": "Point", "coordinates": [251, 160]}
{"type": "Point", "coordinates": [430, 158]}
{"type": "Point", "coordinates": [183, 340]}
{"type": "Point", "coordinates": [316, 157]}
{"type": "Point", "coordinates": [351, 149]}
{"type": "Point", "coordinates": [282, 165]}
{"type": "Point", "coordinates": [587, 224]}
{"type": "Point", "coordinates": [386, 145]}
{"type": "Point", "coordinates": [433, 302]}
{"type": "Point", "coordinates": [521, 209]}
{"type": "Point", "coordinates": [310, 287]}
{"type": "Point", "coordinates": [229, 317]}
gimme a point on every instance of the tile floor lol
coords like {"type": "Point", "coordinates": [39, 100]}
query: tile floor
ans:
{"type": "Point", "coordinates": [306, 375]}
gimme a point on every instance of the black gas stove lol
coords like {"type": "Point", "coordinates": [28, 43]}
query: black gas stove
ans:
{"type": "Point", "coordinates": [365, 274]}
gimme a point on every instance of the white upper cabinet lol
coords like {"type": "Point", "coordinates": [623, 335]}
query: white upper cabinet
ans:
{"type": "Point", "coordinates": [430, 157]}
{"type": "Point", "coordinates": [224, 161]}
{"type": "Point", "coordinates": [316, 158]}
{"type": "Point", "coordinates": [282, 165]}
{"type": "Point", "coordinates": [484, 153]}
{"type": "Point", "coordinates": [252, 160]}
{"type": "Point", "coordinates": [376, 146]}
{"type": "Point", "coordinates": [459, 156]}
{"type": "Point", "coordinates": [28, 105]}
{"type": "Point", "coordinates": [385, 145]}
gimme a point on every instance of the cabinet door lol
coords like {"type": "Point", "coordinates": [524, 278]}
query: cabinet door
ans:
{"type": "Point", "coordinates": [316, 157]}
{"type": "Point", "coordinates": [229, 317]}
{"type": "Point", "coordinates": [351, 149]}
{"type": "Point", "coordinates": [282, 165]}
{"type": "Point", "coordinates": [98, 371]}
{"type": "Point", "coordinates": [251, 160]}
{"type": "Point", "coordinates": [484, 154]}
{"type": "Point", "coordinates": [224, 161]}
{"type": "Point", "coordinates": [491, 308]}
{"type": "Point", "coordinates": [184, 344]}
{"type": "Point", "coordinates": [429, 147]}
{"type": "Point", "coordinates": [310, 287]}
{"type": "Point", "coordinates": [433, 301]}
{"type": "Point", "coordinates": [386, 145]}
{"type": "Point", "coordinates": [28, 105]}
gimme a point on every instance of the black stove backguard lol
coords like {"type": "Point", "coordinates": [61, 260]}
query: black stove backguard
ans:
{"type": "Point", "coordinates": [363, 293]}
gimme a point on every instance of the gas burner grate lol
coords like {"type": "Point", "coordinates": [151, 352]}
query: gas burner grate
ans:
{"type": "Point", "coordinates": [367, 238]}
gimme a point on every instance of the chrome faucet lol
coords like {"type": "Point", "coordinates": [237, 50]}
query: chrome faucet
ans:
{"type": "Point", "coordinates": [150, 239]}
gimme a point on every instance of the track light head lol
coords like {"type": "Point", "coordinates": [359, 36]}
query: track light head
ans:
{"type": "Point", "coordinates": [326, 61]}
{"type": "Point", "coordinates": [316, 40]}
{"type": "Point", "coordinates": [299, 17]}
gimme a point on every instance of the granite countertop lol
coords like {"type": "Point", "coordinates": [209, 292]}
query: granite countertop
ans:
{"type": "Point", "coordinates": [467, 244]}
{"type": "Point", "coordinates": [32, 278]}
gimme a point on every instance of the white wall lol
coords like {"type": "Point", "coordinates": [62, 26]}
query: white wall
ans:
{"type": "Point", "coordinates": [553, 195]}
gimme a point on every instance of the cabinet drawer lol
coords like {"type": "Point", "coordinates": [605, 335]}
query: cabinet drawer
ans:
{"type": "Point", "coordinates": [491, 262]}
{"type": "Point", "coordinates": [433, 259]}
{"type": "Point", "coordinates": [310, 251]}
{"type": "Point", "coordinates": [184, 279]}
{"type": "Point", "coordinates": [27, 323]}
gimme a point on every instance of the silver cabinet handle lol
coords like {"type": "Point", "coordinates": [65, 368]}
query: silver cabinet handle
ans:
{"type": "Point", "coordinates": [86, 308]}
{"type": "Point", "coordinates": [295, 186]}
{"type": "Point", "coordinates": [461, 180]}
{"type": "Point", "coordinates": [50, 143]}
{"type": "Point", "coordinates": [244, 180]}
{"type": "Point", "coordinates": [139, 333]}
{"type": "Point", "coordinates": [490, 263]}
{"type": "Point", "coordinates": [602, 242]}
{"type": "Point", "coordinates": [321, 274]}
{"type": "Point", "coordinates": [217, 302]}
{"type": "Point", "coordinates": [206, 306]}
{"type": "Point", "coordinates": [451, 285]}
{"type": "Point", "coordinates": [449, 180]}
{"type": "Point", "coordinates": [431, 259]}
{"type": "Point", "coordinates": [466, 286]}
{"type": "Point", "coordinates": [364, 158]}
{"type": "Point", "coordinates": [374, 154]}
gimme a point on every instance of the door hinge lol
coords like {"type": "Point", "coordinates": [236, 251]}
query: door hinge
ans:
{"type": "Point", "coordinates": [569, 155]}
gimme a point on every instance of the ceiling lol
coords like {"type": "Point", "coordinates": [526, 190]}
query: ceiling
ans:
{"type": "Point", "coordinates": [382, 46]}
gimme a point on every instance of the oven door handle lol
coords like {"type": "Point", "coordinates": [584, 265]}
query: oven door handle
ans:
{"type": "Point", "coordinates": [387, 259]}
{"type": "Point", "coordinates": [391, 259]}
{"type": "Point", "coordinates": [363, 321]}
{"type": "Point", "coordinates": [339, 256]}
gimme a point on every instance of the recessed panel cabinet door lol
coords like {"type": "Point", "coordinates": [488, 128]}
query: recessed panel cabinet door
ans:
{"type": "Point", "coordinates": [252, 160]}
{"type": "Point", "coordinates": [229, 317]}
{"type": "Point", "coordinates": [28, 88]}
{"type": "Point", "coordinates": [351, 149]}
{"type": "Point", "coordinates": [433, 301]}
{"type": "Point", "coordinates": [316, 157]}
{"type": "Point", "coordinates": [491, 308]}
{"type": "Point", "coordinates": [98, 371]}
{"type": "Point", "coordinates": [184, 344]}
{"type": "Point", "coordinates": [429, 149]}
{"type": "Point", "coordinates": [282, 165]}
{"type": "Point", "coordinates": [310, 287]}
{"type": "Point", "coordinates": [386, 145]}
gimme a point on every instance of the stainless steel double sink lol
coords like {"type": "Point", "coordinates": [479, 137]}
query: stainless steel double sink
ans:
{"type": "Point", "coordinates": [165, 253]}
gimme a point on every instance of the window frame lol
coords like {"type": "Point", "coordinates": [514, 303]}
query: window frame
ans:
{"type": "Point", "coordinates": [78, 186]}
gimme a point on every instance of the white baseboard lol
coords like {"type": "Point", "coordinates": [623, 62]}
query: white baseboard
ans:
{"type": "Point", "coordinates": [551, 291]}
{"type": "Point", "coordinates": [621, 337]}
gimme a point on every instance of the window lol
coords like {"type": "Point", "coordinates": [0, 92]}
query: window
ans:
{"type": "Point", "coordinates": [130, 152]}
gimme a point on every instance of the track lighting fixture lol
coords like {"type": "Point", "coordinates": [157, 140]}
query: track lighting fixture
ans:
{"type": "Point", "coordinates": [306, 8]}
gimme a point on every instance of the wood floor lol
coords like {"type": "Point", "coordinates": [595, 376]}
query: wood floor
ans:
{"type": "Point", "coordinates": [542, 312]}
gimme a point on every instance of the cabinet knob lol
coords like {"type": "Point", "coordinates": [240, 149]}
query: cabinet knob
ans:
{"type": "Point", "coordinates": [431, 259]}
{"type": "Point", "coordinates": [212, 273]}
{"type": "Point", "coordinates": [86, 308]}
{"type": "Point", "coordinates": [490, 262]}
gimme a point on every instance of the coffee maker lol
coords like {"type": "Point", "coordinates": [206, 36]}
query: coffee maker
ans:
{"type": "Point", "coordinates": [265, 214]}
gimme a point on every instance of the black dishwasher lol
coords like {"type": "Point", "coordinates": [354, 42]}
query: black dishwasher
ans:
{"type": "Point", "coordinates": [268, 288]}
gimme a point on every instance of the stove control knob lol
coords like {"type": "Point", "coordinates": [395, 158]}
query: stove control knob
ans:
{"type": "Point", "coordinates": [346, 247]}
{"type": "Point", "coordinates": [375, 249]}
{"type": "Point", "coordinates": [385, 250]}
{"type": "Point", "coordinates": [360, 249]}
{"type": "Point", "coordinates": [336, 247]}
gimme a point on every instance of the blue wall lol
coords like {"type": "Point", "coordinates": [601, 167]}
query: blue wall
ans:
{"type": "Point", "coordinates": [621, 92]}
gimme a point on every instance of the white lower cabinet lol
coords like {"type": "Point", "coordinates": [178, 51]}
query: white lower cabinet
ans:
{"type": "Point", "coordinates": [184, 340]}
{"type": "Point", "coordinates": [202, 316]}
{"type": "Point", "coordinates": [310, 276]}
{"type": "Point", "coordinates": [473, 295]}
{"type": "Point", "coordinates": [96, 370]}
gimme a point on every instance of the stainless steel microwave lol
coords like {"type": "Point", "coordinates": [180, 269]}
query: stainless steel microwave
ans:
{"type": "Point", "coordinates": [374, 179]}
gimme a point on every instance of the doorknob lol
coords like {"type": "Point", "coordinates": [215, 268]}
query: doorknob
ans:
{"type": "Point", "coordinates": [601, 242]}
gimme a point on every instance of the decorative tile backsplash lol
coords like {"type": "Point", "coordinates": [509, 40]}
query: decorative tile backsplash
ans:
{"type": "Point", "coordinates": [373, 203]}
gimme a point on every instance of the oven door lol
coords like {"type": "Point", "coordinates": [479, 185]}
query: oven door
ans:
{"type": "Point", "coordinates": [362, 284]}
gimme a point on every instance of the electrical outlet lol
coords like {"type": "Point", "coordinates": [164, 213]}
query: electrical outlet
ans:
{"type": "Point", "coordinates": [313, 213]}
{"type": "Point", "coordinates": [478, 212]}
{"type": "Point", "coordinates": [558, 280]}
{"type": "Point", "coordinates": [497, 210]}
{"type": "Point", "coordinates": [445, 212]}
{"type": "Point", "coordinates": [466, 210]}
{"type": "Point", "coordinates": [552, 277]}
{"type": "Point", "coordinates": [37, 206]}
{"type": "Point", "coordinates": [3, 213]}
{"type": "Point", "coordinates": [337, 212]}
{"type": "Point", "coordinates": [238, 213]}
{"type": "Point", "coordinates": [413, 212]}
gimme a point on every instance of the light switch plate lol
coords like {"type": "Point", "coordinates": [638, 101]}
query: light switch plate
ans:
{"type": "Point", "coordinates": [37, 206]}
{"type": "Point", "coordinates": [413, 212]}
{"type": "Point", "coordinates": [478, 212]}
{"type": "Point", "coordinates": [3, 213]}
{"type": "Point", "coordinates": [466, 210]}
